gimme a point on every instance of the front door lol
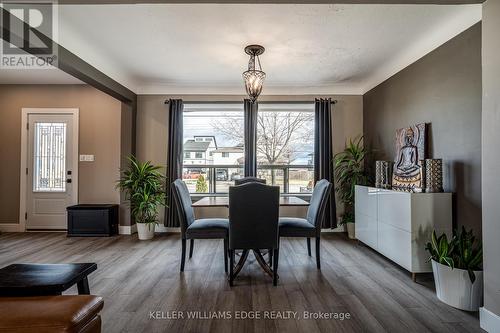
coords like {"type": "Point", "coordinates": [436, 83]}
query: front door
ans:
{"type": "Point", "coordinates": [50, 181]}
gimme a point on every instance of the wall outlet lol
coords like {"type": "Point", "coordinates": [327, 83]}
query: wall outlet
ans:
{"type": "Point", "coordinates": [87, 158]}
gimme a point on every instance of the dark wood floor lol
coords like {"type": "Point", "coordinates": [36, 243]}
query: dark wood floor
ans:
{"type": "Point", "coordinates": [138, 277]}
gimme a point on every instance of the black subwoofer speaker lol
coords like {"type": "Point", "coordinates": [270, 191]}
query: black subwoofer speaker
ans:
{"type": "Point", "coordinates": [93, 220]}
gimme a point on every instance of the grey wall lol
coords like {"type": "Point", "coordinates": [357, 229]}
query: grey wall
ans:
{"type": "Point", "coordinates": [443, 89]}
{"type": "Point", "coordinates": [491, 157]}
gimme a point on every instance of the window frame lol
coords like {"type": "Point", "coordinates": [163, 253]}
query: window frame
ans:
{"type": "Point", "coordinates": [212, 168]}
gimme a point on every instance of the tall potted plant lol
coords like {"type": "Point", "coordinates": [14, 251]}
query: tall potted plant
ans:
{"type": "Point", "coordinates": [144, 187]}
{"type": "Point", "coordinates": [349, 172]}
{"type": "Point", "coordinates": [456, 265]}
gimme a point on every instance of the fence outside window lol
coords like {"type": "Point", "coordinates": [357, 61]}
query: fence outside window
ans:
{"type": "Point", "coordinates": [216, 179]}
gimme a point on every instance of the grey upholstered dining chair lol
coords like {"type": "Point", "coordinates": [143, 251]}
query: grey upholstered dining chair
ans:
{"type": "Point", "coordinates": [192, 228]}
{"type": "Point", "coordinates": [249, 180]}
{"type": "Point", "coordinates": [253, 222]}
{"type": "Point", "coordinates": [311, 225]}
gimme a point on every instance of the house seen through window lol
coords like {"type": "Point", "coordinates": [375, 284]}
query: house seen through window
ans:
{"type": "Point", "coordinates": [214, 146]}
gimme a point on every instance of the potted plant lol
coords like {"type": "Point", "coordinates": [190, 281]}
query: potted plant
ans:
{"type": "Point", "coordinates": [456, 265]}
{"type": "Point", "coordinates": [144, 187]}
{"type": "Point", "coordinates": [349, 172]}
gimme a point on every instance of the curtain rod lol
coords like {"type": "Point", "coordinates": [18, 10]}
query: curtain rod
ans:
{"type": "Point", "coordinates": [334, 101]}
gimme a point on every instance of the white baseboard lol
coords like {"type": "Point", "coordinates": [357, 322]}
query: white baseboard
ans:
{"type": "Point", "coordinates": [10, 227]}
{"type": "Point", "coordinates": [127, 229]}
{"type": "Point", "coordinates": [130, 230]}
{"type": "Point", "coordinates": [162, 228]}
{"type": "Point", "coordinates": [489, 321]}
{"type": "Point", "coordinates": [338, 229]}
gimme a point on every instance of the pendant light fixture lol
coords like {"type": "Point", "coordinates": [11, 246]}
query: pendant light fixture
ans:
{"type": "Point", "coordinates": [254, 76]}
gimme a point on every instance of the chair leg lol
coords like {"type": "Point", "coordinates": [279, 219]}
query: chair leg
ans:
{"type": "Point", "coordinates": [191, 246]}
{"type": "Point", "coordinates": [231, 267]}
{"type": "Point", "coordinates": [318, 257]}
{"type": "Point", "coordinates": [275, 267]}
{"type": "Point", "coordinates": [270, 253]}
{"type": "Point", "coordinates": [225, 254]}
{"type": "Point", "coordinates": [183, 254]}
{"type": "Point", "coordinates": [309, 246]}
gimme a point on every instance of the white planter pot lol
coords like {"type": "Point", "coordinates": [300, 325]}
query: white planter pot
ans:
{"type": "Point", "coordinates": [454, 288]}
{"type": "Point", "coordinates": [146, 230]}
{"type": "Point", "coordinates": [351, 231]}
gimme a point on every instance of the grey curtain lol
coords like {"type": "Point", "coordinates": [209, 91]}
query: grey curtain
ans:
{"type": "Point", "coordinates": [250, 126]}
{"type": "Point", "coordinates": [174, 157]}
{"type": "Point", "coordinates": [323, 154]}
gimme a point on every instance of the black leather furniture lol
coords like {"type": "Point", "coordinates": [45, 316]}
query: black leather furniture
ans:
{"type": "Point", "coordinates": [311, 225]}
{"type": "Point", "coordinates": [191, 228]}
{"type": "Point", "coordinates": [249, 180]}
{"type": "Point", "coordinates": [253, 216]}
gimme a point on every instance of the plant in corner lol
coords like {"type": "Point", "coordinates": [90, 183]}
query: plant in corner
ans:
{"type": "Point", "coordinates": [349, 172]}
{"type": "Point", "coordinates": [456, 265]}
{"type": "Point", "coordinates": [144, 187]}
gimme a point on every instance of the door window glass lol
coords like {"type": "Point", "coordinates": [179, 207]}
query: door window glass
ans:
{"type": "Point", "coordinates": [49, 169]}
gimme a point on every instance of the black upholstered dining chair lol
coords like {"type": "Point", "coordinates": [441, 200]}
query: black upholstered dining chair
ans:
{"type": "Point", "coordinates": [253, 224]}
{"type": "Point", "coordinates": [249, 180]}
{"type": "Point", "coordinates": [311, 225]}
{"type": "Point", "coordinates": [192, 228]}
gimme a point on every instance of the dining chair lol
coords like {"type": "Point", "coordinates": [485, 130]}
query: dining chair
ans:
{"type": "Point", "coordinates": [253, 222]}
{"type": "Point", "coordinates": [311, 225]}
{"type": "Point", "coordinates": [191, 228]}
{"type": "Point", "coordinates": [249, 180]}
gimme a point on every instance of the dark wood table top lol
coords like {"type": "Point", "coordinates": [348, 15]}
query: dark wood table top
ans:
{"type": "Point", "coordinates": [224, 202]}
{"type": "Point", "coordinates": [42, 279]}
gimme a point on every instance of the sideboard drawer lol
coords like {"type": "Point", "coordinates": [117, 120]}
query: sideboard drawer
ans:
{"type": "Point", "coordinates": [366, 230]}
{"type": "Point", "coordinates": [394, 208]}
{"type": "Point", "coordinates": [395, 244]}
{"type": "Point", "coordinates": [366, 200]}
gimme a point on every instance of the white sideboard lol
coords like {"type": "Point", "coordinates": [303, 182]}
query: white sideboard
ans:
{"type": "Point", "coordinates": [399, 224]}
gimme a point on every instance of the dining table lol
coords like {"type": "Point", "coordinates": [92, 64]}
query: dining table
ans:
{"type": "Point", "coordinates": [223, 201]}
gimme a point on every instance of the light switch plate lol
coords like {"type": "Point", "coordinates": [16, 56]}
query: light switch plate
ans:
{"type": "Point", "coordinates": [86, 158]}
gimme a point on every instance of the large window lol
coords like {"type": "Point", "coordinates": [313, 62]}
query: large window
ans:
{"type": "Point", "coordinates": [214, 146]}
{"type": "Point", "coordinates": [285, 146]}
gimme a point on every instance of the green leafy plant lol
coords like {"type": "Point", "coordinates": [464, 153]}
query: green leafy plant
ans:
{"type": "Point", "coordinates": [441, 250]}
{"type": "Point", "coordinates": [349, 172]}
{"type": "Point", "coordinates": [462, 251]}
{"type": "Point", "coordinates": [144, 187]}
{"type": "Point", "coordinates": [201, 184]}
{"type": "Point", "coordinates": [468, 253]}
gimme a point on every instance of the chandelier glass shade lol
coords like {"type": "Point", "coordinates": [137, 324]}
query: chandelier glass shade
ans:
{"type": "Point", "coordinates": [254, 77]}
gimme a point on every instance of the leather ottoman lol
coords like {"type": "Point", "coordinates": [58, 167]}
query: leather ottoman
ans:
{"type": "Point", "coordinates": [66, 313]}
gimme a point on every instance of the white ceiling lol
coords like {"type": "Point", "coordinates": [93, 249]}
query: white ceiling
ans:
{"type": "Point", "coordinates": [310, 49]}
